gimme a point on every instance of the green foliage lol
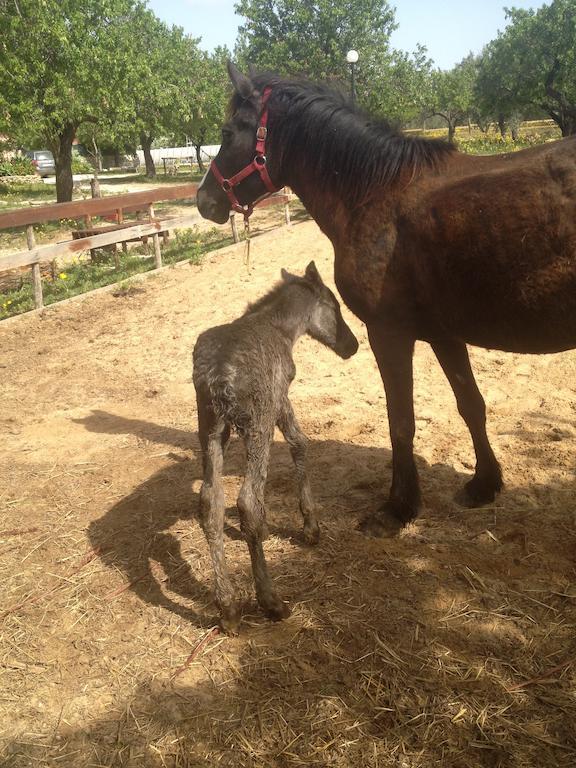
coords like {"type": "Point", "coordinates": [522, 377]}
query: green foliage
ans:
{"type": "Point", "coordinates": [80, 164]}
{"type": "Point", "coordinates": [312, 38]}
{"type": "Point", "coordinates": [17, 166]}
{"type": "Point", "coordinates": [532, 64]}
{"type": "Point", "coordinates": [493, 144]}
{"type": "Point", "coordinates": [400, 89]}
{"type": "Point", "coordinates": [452, 92]}
{"type": "Point", "coordinates": [206, 98]}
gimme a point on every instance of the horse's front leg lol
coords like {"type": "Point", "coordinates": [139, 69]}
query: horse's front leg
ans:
{"type": "Point", "coordinates": [487, 481]}
{"type": "Point", "coordinates": [393, 352]}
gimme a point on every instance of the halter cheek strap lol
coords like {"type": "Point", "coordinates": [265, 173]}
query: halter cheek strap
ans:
{"type": "Point", "coordinates": [258, 165]}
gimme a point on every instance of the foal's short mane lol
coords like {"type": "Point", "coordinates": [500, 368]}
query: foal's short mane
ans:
{"type": "Point", "coordinates": [274, 294]}
{"type": "Point", "coordinates": [342, 147]}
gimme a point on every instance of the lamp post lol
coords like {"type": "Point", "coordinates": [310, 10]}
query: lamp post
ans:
{"type": "Point", "coordinates": [352, 58]}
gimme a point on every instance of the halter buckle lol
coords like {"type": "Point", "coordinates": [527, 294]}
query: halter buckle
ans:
{"type": "Point", "coordinates": [262, 133]}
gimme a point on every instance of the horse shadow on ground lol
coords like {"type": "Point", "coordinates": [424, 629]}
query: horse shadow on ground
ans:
{"type": "Point", "coordinates": [371, 670]}
{"type": "Point", "coordinates": [348, 481]}
{"type": "Point", "coordinates": [448, 647]}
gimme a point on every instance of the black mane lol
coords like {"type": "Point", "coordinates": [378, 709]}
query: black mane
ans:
{"type": "Point", "coordinates": [347, 150]}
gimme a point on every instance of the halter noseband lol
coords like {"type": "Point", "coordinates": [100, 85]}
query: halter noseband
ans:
{"type": "Point", "coordinates": [258, 165]}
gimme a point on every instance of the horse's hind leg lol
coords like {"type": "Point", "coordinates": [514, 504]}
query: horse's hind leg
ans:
{"type": "Point", "coordinates": [298, 443]}
{"type": "Point", "coordinates": [213, 433]}
{"type": "Point", "coordinates": [487, 481]}
{"type": "Point", "coordinates": [253, 517]}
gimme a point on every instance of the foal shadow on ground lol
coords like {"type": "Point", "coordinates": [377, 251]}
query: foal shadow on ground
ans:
{"type": "Point", "coordinates": [348, 480]}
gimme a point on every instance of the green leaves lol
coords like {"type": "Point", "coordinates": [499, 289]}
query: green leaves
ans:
{"type": "Point", "coordinates": [311, 38]}
{"type": "Point", "coordinates": [532, 65]}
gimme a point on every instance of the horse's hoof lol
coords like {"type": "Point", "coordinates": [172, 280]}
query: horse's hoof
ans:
{"type": "Point", "coordinates": [479, 491]}
{"type": "Point", "coordinates": [277, 610]}
{"type": "Point", "coordinates": [381, 525]}
{"type": "Point", "coordinates": [311, 534]}
{"type": "Point", "coordinates": [230, 620]}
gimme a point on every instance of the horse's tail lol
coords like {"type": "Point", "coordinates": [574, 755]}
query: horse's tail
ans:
{"type": "Point", "coordinates": [226, 405]}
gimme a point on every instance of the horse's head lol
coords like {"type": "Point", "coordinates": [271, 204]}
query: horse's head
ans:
{"type": "Point", "coordinates": [238, 175]}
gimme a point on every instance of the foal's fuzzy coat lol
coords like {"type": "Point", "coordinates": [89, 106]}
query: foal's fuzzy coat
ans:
{"type": "Point", "coordinates": [242, 373]}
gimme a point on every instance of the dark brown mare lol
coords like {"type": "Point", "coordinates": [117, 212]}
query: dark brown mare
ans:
{"type": "Point", "coordinates": [429, 244]}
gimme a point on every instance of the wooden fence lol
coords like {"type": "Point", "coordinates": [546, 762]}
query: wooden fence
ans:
{"type": "Point", "coordinates": [118, 205]}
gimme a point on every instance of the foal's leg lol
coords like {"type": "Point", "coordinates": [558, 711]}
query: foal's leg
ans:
{"type": "Point", "coordinates": [298, 443]}
{"type": "Point", "coordinates": [453, 357]}
{"type": "Point", "coordinates": [393, 352]}
{"type": "Point", "coordinates": [253, 518]}
{"type": "Point", "coordinates": [213, 433]}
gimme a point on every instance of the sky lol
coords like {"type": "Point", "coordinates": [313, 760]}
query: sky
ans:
{"type": "Point", "coordinates": [450, 29]}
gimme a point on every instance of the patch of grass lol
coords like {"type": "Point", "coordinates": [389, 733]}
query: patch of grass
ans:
{"type": "Point", "coordinates": [83, 276]}
{"type": "Point", "coordinates": [14, 194]}
{"type": "Point", "coordinates": [491, 144]}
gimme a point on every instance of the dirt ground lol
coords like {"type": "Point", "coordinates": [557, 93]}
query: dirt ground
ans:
{"type": "Point", "coordinates": [452, 645]}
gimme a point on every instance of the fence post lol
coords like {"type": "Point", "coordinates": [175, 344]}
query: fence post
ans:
{"type": "Point", "coordinates": [234, 228]}
{"type": "Point", "coordinates": [287, 213]}
{"type": "Point", "coordinates": [36, 276]}
{"type": "Point", "coordinates": [120, 217]}
{"type": "Point", "coordinates": [155, 240]}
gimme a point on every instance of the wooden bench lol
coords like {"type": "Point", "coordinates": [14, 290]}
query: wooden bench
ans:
{"type": "Point", "coordinates": [89, 230]}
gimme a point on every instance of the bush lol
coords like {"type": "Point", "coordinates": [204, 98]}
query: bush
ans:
{"type": "Point", "coordinates": [80, 164]}
{"type": "Point", "coordinates": [17, 166]}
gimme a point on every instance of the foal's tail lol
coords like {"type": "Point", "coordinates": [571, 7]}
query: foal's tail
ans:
{"type": "Point", "coordinates": [226, 405]}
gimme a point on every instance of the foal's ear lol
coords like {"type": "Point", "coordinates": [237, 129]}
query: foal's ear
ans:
{"type": "Point", "coordinates": [312, 274]}
{"type": "Point", "coordinates": [241, 83]}
{"type": "Point", "coordinates": [287, 277]}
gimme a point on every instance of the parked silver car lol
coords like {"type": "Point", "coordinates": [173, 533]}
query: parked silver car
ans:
{"type": "Point", "coordinates": [43, 161]}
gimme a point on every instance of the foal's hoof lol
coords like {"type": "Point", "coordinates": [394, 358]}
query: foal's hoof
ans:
{"type": "Point", "coordinates": [230, 620]}
{"type": "Point", "coordinates": [311, 533]}
{"type": "Point", "coordinates": [479, 491]}
{"type": "Point", "coordinates": [277, 610]}
{"type": "Point", "coordinates": [387, 522]}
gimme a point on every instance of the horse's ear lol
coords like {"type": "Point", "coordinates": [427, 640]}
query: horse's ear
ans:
{"type": "Point", "coordinates": [252, 71]}
{"type": "Point", "coordinates": [312, 274]}
{"type": "Point", "coordinates": [241, 83]}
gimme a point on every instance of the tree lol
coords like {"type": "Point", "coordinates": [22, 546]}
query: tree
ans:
{"type": "Point", "coordinates": [206, 98]}
{"type": "Point", "coordinates": [452, 93]}
{"type": "Point", "coordinates": [302, 37]}
{"type": "Point", "coordinates": [63, 63]}
{"type": "Point", "coordinates": [163, 77]}
{"type": "Point", "coordinates": [398, 86]}
{"type": "Point", "coordinates": [532, 64]}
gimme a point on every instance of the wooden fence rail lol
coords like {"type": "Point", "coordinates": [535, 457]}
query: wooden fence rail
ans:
{"type": "Point", "coordinates": [117, 205]}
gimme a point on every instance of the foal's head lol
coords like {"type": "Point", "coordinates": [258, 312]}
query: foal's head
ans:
{"type": "Point", "coordinates": [324, 322]}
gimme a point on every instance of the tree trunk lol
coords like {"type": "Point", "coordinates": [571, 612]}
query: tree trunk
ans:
{"type": "Point", "coordinates": [502, 125]}
{"type": "Point", "coordinates": [117, 159]}
{"type": "Point", "coordinates": [198, 148]}
{"type": "Point", "coordinates": [451, 130]}
{"type": "Point", "coordinates": [567, 125]}
{"type": "Point", "coordinates": [146, 142]}
{"type": "Point", "coordinates": [62, 150]}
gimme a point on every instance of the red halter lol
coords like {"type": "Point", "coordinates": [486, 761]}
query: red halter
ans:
{"type": "Point", "coordinates": [258, 165]}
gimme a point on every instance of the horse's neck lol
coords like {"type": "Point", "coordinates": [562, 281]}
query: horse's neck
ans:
{"type": "Point", "coordinates": [291, 317]}
{"type": "Point", "coordinates": [327, 209]}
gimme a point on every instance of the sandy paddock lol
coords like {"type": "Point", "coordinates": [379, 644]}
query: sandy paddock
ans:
{"type": "Point", "coordinates": [453, 645]}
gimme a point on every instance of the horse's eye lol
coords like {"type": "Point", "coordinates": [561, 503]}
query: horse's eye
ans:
{"type": "Point", "coordinates": [226, 133]}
